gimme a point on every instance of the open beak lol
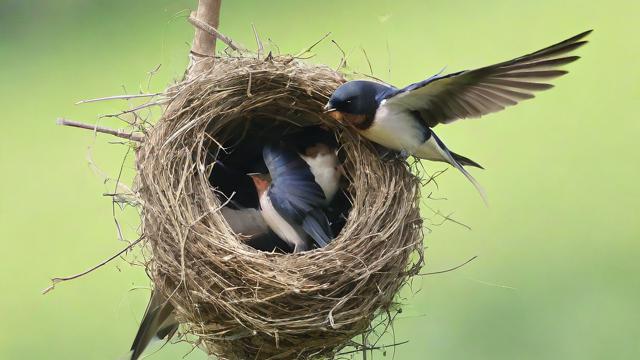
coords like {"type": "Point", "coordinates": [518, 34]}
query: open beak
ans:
{"type": "Point", "coordinates": [327, 108]}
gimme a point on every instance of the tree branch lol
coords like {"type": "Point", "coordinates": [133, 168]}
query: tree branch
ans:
{"type": "Point", "coordinates": [203, 49]}
{"type": "Point", "coordinates": [213, 31]}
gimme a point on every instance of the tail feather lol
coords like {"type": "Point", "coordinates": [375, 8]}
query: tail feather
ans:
{"type": "Point", "coordinates": [317, 226]}
{"type": "Point", "coordinates": [473, 180]}
{"type": "Point", "coordinates": [465, 161]}
{"type": "Point", "coordinates": [436, 146]}
{"type": "Point", "coordinates": [158, 323]}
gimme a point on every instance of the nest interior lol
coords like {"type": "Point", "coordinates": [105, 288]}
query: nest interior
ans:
{"type": "Point", "coordinates": [240, 302]}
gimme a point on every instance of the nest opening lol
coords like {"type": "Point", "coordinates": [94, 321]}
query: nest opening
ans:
{"type": "Point", "coordinates": [240, 302]}
{"type": "Point", "coordinates": [241, 154]}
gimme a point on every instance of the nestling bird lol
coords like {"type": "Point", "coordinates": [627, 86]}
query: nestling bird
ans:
{"type": "Point", "coordinates": [291, 201]}
{"type": "Point", "coordinates": [317, 148]}
{"type": "Point", "coordinates": [158, 324]}
{"type": "Point", "coordinates": [246, 222]}
{"type": "Point", "coordinates": [401, 119]}
{"type": "Point", "coordinates": [326, 170]}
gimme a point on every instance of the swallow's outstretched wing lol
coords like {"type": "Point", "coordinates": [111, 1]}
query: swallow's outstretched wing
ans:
{"type": "Point", "coordinates": [442, 99]}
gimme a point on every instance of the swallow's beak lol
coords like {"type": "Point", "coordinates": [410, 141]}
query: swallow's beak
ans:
{"type": "Point", "coordinates": [258, 175]}
{"type": "Point", "coordinates": [331, 111]}
{"type": "Point", "coordinates": [261, 181]}
{"type": "Point", "coordinates": [328, 109]}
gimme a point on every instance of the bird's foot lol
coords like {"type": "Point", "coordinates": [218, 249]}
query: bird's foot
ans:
{"type": "Point", "coordinates": [385, 153]}
{"type": "Point", "coordinates": [402, 155]}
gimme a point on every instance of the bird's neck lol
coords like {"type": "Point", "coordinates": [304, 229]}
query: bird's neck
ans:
{"type": "Point", "coordinates": [360, 122]}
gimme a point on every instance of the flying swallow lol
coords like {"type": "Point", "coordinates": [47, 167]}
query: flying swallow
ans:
{"type": "Point", "coordinates": [402, 119]}
{"type": "Point", "coordinates": [157, 324]}
{"type": "Point", "coordinates": [291, 201]}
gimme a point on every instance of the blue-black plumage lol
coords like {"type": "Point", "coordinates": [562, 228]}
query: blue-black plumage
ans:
{"type": "Point", "coordinates": [291, 201]}
{"type": "Point", "coordinates": [158, 324]}
{"type": "Point", "coordinates": [401, 119]}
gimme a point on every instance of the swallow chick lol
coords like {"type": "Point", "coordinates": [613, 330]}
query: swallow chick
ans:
{"type": "Point", "coordinates": [318, 148]}
{"type": "Point", "coordinates": [402, 119]}
{"type": "Point", "coordinates": [325, 167]}
{"type": "Point", "coordinates": [291, 201]}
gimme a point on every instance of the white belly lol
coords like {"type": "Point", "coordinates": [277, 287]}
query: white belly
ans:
{"type": "Point", "coordinates": [246, 222]}
{"type": "Point", "coordinates": [325, 171]}
{"type": "Point", "coordinates": [291, 234]}
{"type": "Point", "coordinates": [395, 129]}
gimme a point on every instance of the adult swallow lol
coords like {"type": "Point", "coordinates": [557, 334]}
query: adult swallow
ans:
{"type": "Point", "coordinates": [157, 324]}
{"type": "Point", "coordinates": [291, 201]}
{"type": "Point", "coordinates": [401, 119]}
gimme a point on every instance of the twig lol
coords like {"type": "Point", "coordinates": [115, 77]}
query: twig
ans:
{"type": "Point", "coordinates": [101, 129]}
{"type": "Point", "coordinates": [116, 97]}
{"type": "Point", "coordinates": [450, 269]}
{"type": "Point", "coordinates": [258, 41]}
{"type": "Point", "coordinates": [151, 73]}
{"type": "Point", "coordinates": [273, 45]}
{"type": "Point", "coordinates": [343, 60]}
{"type": "Point", "coordinates": [366, 56]}
{"type": "Point", "coordinates": [214, 32]}
{"type": "Point", "coordinates": [375, 347]}
{"type": "Point", "coordinates": [370, 77]}
{"type": "Point", "coordinates": [304, 51]}
{"type": "Point", "coordinates": [57, 280]}
{"type": "Point", "coordinates": [446, 218]}
{"type": "Point", "coordinates": [364, 347]}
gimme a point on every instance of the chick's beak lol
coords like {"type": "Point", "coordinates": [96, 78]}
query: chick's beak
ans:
{"type": "Point", "coordinates": [261, 181]}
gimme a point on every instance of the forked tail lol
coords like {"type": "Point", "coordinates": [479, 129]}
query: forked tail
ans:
{"type": "Point", "coordinates": [435, 149]}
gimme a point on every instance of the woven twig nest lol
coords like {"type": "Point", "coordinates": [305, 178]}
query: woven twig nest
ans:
{"type": "Point", "coordinates": [248, 304]}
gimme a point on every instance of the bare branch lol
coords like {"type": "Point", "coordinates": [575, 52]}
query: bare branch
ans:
{"type": "Point", "coordinates": [101, 129]}
{"type": "Point", "coordinates": [117, 97]}
{"type": "Point", "coordinates": [203, 49]}
{"type": "Point", "coordinates": [214, 32]}
{"type": "Point", "coordinates": [57, 280]}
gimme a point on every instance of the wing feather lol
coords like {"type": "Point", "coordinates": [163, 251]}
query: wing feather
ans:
{"type": "Point", "coordinates": [293, 190]}
{"type": "Point", "coordinates": [473, 93]}
{"type": "Point", "coordinates": [295, 194]}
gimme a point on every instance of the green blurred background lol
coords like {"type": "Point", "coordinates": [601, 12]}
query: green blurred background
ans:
{"type": "Point", "coordinates": [557, 275]}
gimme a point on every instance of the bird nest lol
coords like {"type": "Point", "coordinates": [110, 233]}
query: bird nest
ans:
{"type": "Point", "coordinates": [244, 303]}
